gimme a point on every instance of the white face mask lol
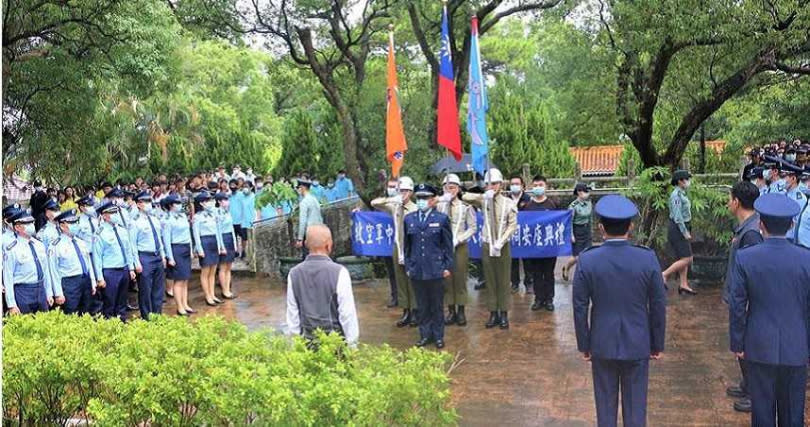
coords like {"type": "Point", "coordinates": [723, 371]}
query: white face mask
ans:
{"type": "Point", "coordinates": [538, 192]}
{"type": "Point", "coordinates": [392, 192]}
{"type": "Point", "coordinates": [515, 189]}
{"type": "Point", "coordinates": [177, 208]}
{"type": "Point", "coordinates": [687, 184]}
{"type": "Point", "coordinates": [30, 230]}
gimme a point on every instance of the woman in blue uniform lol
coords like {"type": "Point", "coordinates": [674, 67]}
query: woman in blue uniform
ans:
{"type": "Point", "coordinates": [209, 244]}
{"type": "Point", "coordinates": [679, 232]}
{"type": "Point", "coordinates": [228, 236]}
{"type": "Point", "coordinates": [177, 240]}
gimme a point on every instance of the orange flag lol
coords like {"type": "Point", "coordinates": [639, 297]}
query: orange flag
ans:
{"type": "Point", "coordinates": [395, 145]}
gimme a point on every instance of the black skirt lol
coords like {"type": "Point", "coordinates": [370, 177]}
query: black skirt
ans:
{"type": "Point", "coordinates": [681, 247]}
{"type": "Point", "coordinates": [182, 263]}
{"type": "Point", "coordinates": [230, 249]}
{"type": "Point", "coordinates": [210, 250]}
{"type": "Point", "coordinates": [582, 238]}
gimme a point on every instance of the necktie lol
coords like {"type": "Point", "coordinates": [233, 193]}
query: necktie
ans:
{"type": "Point", "coordinates": [36, 261]}
{"type": "Point", "coordinates": [92, 227]}
{"type": "Point", "coordinates": [81, 258]}
{"type": "Point", "coordinates": [123, 220]}
{"type": "Point", "coordinates": [120, 245]}
{"type": "Point", "coordinates": [154, 233]}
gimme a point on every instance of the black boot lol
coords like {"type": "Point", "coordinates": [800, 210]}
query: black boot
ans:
{"type": "Point", "coordinates": [414, 318]}
{"type": "Point", "coordinates": [504, 320]}
{"type": "Point", "coordinates": [461, 319]}
{"type": "Point", "coordinates": [494, 320]}
{"type": "Point", "coordinates": [480, 285]}
{"type": "Point", "coordinates": [405, 319]}
{"type": "Point", "coordinates": [451, 315]}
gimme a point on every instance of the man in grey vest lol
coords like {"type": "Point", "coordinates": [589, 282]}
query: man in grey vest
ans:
{"type": "Point", "coordinates": [319, 292]}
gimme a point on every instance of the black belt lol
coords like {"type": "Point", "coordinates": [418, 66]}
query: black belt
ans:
{"type": "Point", "coordinates": [29, 285]}
{"type": "Point", "coordinates": [77, 276]}
{"type": "Point", "coordinates": [144, 253]}
{"type": "Point", "coordinates": [115, 269]}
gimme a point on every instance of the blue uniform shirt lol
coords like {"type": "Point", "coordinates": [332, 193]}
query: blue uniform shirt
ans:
{"type": "Point", "coordinates": [768, 309]}
{"type": "Point", "coordinates": [205, 224]}
{"type": "Point", "coordinates": [63, 256]}
{"type": "Point", "coordinates": [108, 253]}
{"type": "Point", "coordinates": [777, 187]}
{"type": "Point", "coordinates": [803, 227]}
{"type": "Point", "coordinates": [797, 196]}
{"type": "Point", "coordinates": [248, 210]}
{"type": "Point", "coordinates": [8, 237]}
{"type": "Point", "coordinates": [225, 223]}
{"type": "Point", "coordinates": [176, 231]}
{"type": "Point", "coordinates": [236, 207]}
{"type": "Point", "coordinates": [428, 245]}
{"type": "Point", "coordinates": [626, 302]}
{"type": "Point", "coordinates": [343, 188]}
{"type": "Point", "coordinates": [88, 226]}
{"type": "Point", "coordinates": [144, 233]}
{"type": "Point", "coordinates": [48, 234]}
{"type": "Point", "coordinates": [20, 266]}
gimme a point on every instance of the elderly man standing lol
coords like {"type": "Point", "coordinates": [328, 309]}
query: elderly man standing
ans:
{"type": "Point", "coordinates": [319, 292]}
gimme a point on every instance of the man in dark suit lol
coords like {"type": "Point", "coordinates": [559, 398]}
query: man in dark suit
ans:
{"type": "Point", "coordinates": [37, 205]}
{"type": "Point", "coordinates": [627, 306]}
{"type": "Point", "coordinates": [428, 248]}
{"type": "Point", "coordinates": [768, 315]}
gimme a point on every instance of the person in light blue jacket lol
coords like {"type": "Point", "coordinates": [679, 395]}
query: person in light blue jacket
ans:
{"type": "Point", "coordinates": [248, 215]}
{"type": "Point", "coordinates": [209, 245]}
{"type": "Point", "coordinates": [228, 236]}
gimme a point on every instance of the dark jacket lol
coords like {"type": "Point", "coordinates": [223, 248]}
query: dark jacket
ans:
{"type": "Point", "coordinates": [428, 245]}
{"type": "Point", "coordinates": [745, 234]}
{"type": "Point", "coordinates": [626, 300]}
{"type": "Point", "coordinates": [768, 307]}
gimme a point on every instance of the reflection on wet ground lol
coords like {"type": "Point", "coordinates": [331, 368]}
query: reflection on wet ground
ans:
{"type": "Point", "coordinates": [531, 374]}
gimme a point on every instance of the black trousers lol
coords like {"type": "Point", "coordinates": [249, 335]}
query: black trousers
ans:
{"type": "Point", "coordinates": [628, 377]}
{"type": "Point", "coordinates": [541, 271]}
{"type": "Point", "coordinates": [777, 394]}
{"type": "Point", "coordinates": [429, 298]}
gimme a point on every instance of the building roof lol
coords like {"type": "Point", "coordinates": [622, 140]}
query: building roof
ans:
{"type": "Point", "coordinates": [603, 160]}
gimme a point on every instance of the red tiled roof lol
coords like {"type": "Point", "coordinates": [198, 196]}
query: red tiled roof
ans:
{"type": "Point", "coordinates": [604, 159]}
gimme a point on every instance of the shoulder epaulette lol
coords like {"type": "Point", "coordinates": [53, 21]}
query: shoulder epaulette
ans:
{"type": "Point", "coordinates": [11, 245]}
{"type": "Point", "coordinates": [55, 242]}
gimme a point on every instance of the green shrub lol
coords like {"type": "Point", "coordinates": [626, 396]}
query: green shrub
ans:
{"type": "Point", "coordinates": [172, 372]}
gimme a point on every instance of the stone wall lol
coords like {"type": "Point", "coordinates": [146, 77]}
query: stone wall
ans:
{"type": "Point", "coordinates": [274, 239]}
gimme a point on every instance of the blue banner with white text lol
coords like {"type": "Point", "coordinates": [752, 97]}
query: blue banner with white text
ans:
{"type": "Point", "coordinates": [540, 234]}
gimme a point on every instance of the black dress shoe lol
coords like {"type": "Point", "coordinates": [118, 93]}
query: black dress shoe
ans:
{"type": "Point", "coordinates": [736, 391]}
{"type": "Point", "coordinates": [218, 301]}
{"type": "Point", "coordinates": [536, 306]}
{"type": "Point", "coordinates": [451, 315]}
{"type": "Point", "coordinates": [549, 306]}
{"type": "Point", "coordinates": [183, 314]}
{"type": "Point", "coordinates": [439, 344]}
{"type": "Point", "coordinates": [405, 319]}
{"type": "Point", "coordinates": [414, 318]}
{"type": "Point", "coordinates": [461, 318]}
{"type": "Point", "coordinates": [504, 323]}
{"type": "Point", "coordinates": [480, 285]}
{"type": "Point", "coordinates": [131, 307]}
{"type": "Point", "coordinates": [191, 311]}
{"type": "Point", "coordinates": [494, 320]}
{"type": "Point", "coordinates": [515, 289]}
{"type": "Point", "coordinates": [232, 296]}
{"type": "Point", "coordinates": [682, 291]}
{"type": "Point", "coordinates": [423, 342]}
{"type": "Point", "coordinates": [210, 304]}
{"type": "Point", "coordinates": [743, 405]}
{"type": "Point", "coordinates": [392, 303]}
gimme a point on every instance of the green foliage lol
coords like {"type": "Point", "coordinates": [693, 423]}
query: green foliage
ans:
{"type": "Point", "coordinates": [170, 371]}
{"type": "Point", "coordinates": [276, 195]}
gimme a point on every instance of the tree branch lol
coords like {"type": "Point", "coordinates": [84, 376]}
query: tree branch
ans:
{"type": "Point", "coordinates": [486, 26]}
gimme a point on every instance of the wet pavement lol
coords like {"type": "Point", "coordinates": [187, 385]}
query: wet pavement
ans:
{"type": "Point", "coordinates": [532, 374]}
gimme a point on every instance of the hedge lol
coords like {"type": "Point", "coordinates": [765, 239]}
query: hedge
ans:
{"type": "Point", "coordinates": [175, 372]}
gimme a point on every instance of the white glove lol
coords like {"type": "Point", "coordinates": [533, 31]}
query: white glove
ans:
{"type": "Point", "coordinates": [455, 243]}
{"type": "Point", "coordinates": [402, 261]}
{"type": "Point", "coordinates": [489, 194]}
{"type": "Point", "coordinates": [446, 198]}
{"type": "Point", "coordinates": [397, 199]}
{"type": "Point", "coordinates": [498, 246]}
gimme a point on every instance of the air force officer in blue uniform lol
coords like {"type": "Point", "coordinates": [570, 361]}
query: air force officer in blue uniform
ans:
{"type": "Point", "coordinates": [621, 285]}
{"type": "Point", "coordinates": [768, 315]}
{"type": "Point", "coordinates": [428, 261]}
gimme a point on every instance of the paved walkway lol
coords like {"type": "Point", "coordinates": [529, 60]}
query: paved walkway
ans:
{"type": "Point", "coordinates": [532, 373]}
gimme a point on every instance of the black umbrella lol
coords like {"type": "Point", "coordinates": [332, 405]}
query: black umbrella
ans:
{"type": "Point", "coordinates": [450, 165]}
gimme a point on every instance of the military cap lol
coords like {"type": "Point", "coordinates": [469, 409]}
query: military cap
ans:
{"type": "Point", "coordinates": [67, 216]}
{"type": "Point", "coordinates": [203, 196]}
{"type": "Point", "coordinates": [107, 207]}
{"type": "Point", "coordinates": [85, 201]}
{"type": "Point", "coordinates": [143, 196]}
{"type": "Point", "coordinates": [425, 190]}
{"type": "Point", "coordinates": [616, 207]}
{"type": "Point", "coordinates": [221, 196]}
{"type": "Point", "coordinates": [303, 182]}
{"type": "Point", "coordinates": [451, 178]}
{"type": "Point", "coordinates": [51, 205]}
{"type": "Point", "coordinates": [405, 183]}
{"type": "Point", "coordinates": [21, 216]}
{"type": "Point", "coordinates": [10, 210]}
{"type": "Point", "coordinates": [170, 200]}
{"type": "Point", "coordinates": [116, 192]}
{"type": "Point", "coordinates": [777, 206]}
{"type": "Point", "coordinates": [755, 172]}
{"type": "Point", "coordinates": [679, 175]}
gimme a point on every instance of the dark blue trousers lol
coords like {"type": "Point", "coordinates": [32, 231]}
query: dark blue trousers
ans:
{"type": "Point", "coordinates": [429, 297]}
{"type": "Point", "coordinates": [78, 290]}
{"type": "Point", "coordinates": [628, 376]}
{"type": "Point", "coordinates": [97, 300]}
{"type": "Point", "coordinates": [777, 394]}
{"type": "Point", "coordinates": [115, 294]}
{"type": "Point", "coordinates": [151, 285]}
{"type": "Point", "coordinates": [31, 297]}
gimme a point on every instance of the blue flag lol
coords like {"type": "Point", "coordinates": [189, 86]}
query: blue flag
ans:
{"type": "Point", "coordinates": [477, 106]}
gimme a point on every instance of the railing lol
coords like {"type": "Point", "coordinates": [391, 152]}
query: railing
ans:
{"type": "Point", "coordinates": [285, 216]}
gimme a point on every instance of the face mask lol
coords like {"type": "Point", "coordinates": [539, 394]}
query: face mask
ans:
{"type": "Point", "coordinates": [30, 230]}
{"type": "Point", "coordinates": [766, 174]}
{"type": "Point", "coordinates": [259, 186]}
{"type": "Point", "coordinates": [208, 206]}
{"type": "Point", "coordinates": [584, 195]}
{"type": "Point", "coordinates": [224, 204]}
{"type": "Point", "coordinates": [341, 176]}
{"type": "Point", "coordinates": [515, 189]}
{"type": "Point", "coordinates": [234, 189]}
{"type": "Point", "coordinates": [538, 191]}
{"type": "Point", "coordinates": [422, 204]}
{"type": "Point", "coordinates": [177, 208]}
{"type": "Point", "coordinates": [316, 183]}
{"type": "Point", "coordinates": [687, 184]}
{"type": "Point", "coordinates": [73, 228]}
{"type": "Point", "coordinates": [90, 211]}
{"type": "Point", "coordinates": [149, 208]}
{"type": "Point", "coordinates": [246, 190]}
{"type": "Point", "coordinates": [392, 192]}
{"type": "Point", "coordinates": [790, 157]}
{"type": "Point", "coordinates": [116, 219]}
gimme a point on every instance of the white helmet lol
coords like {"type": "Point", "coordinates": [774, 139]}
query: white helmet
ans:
{"type": "Point", "coordinates": [451, 179]}
{"type": "Point", "coordinates": [493, 176]}
{"type": "Point", "coordinates": [405, 183]}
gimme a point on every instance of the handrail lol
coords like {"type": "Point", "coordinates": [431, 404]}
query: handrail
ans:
{"type": "Point", "coordinates": [327, 204]}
